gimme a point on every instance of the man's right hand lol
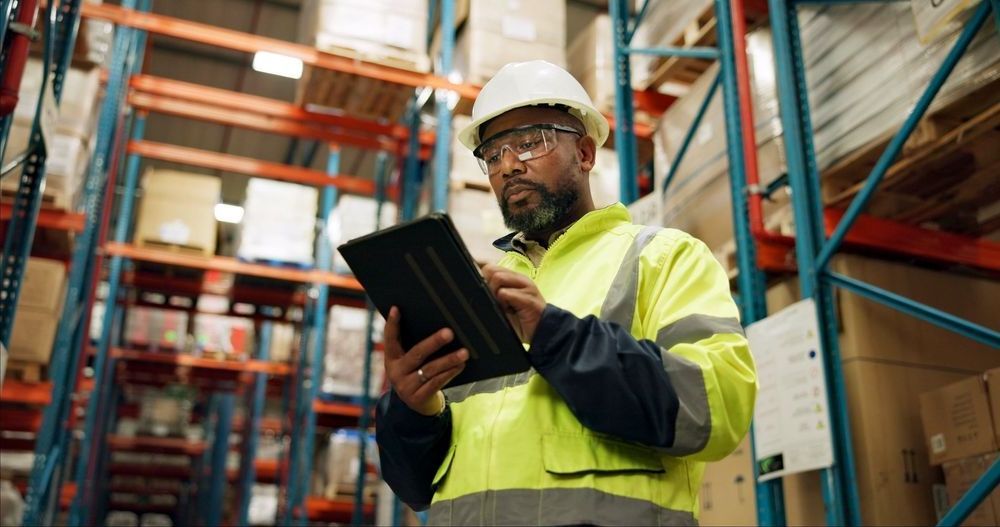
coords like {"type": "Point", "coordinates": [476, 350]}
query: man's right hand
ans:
{"type": "Point", "coordinates": [416, 383]}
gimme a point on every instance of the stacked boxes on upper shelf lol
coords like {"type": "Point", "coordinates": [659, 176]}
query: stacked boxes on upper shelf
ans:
{"type": "Point", "coordinates": [497, 32]}
{"type": "Point", "coordinates": [962, 427]}
{"type": "Point", "coordinates": [590, 58]}
{"type": "Point", "coordinates": [390, 32]}
{"type": "Point", "coordinates": [279, 222]}
{"type": "Point", "coordinates": [71, 132]}
{"type": "Point", "coordinates": [161, 223]}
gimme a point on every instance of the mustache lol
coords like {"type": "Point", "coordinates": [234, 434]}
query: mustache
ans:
{"type": "Point", "coordinates": [517, 186]}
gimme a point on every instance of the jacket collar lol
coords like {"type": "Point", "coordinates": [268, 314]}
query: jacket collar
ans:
{"type": "Point", "coordinates": [598, 220]}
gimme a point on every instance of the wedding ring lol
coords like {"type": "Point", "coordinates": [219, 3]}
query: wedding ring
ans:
{"type": "Point", "coordinates": [420, 373]}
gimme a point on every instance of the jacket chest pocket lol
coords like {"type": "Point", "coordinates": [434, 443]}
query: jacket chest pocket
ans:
{"type": "Point", "coordinates": [567, 454]}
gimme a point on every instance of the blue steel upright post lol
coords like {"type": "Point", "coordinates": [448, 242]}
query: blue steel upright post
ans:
{"type": "Point", "coordinates": [625, 143]}
{"type": "Point", "coordinates": [770, 509]}
{"type": "Point", "coordinates": [251, 427]}
{"type": "Point", "coordinates": [301, 469]}
{"type": "Point", "coordinates": [840, 491]}
{"type": "Point", "coordinates": [442, 145]}
{"type": "Point", "coordinates": [123, 60]}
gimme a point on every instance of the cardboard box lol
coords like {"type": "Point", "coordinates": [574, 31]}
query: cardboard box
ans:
{"type": "Point", "coordinates": [178, 209]}
{"type": "Point", "coordinates": [219, 334]}
{"type": "Point", "coordinates": [993, 390]}
{"type": "Point", "coordinates": [345, 353]}
{"type": "Point", "coordinates": [353, 217]}
{"type": "Point", "coordinates": [499, 32]}
{"type": "Point", "coordinates": [728, 493]}
{"type": "Point", "coordinates": [957, 420]}
{"type": "Point", "coordinates": [33, 335]}
{"type": "Point", "coordinates": [375, 30]}
{"type": "Point", "coordinates": [960, 475]}
{"type": "Point", "coordinates": [479, 222]}
{"type": "Point", "coordinates": [895, 477]}
{"type": "Point", "coordinates": [43, 285]}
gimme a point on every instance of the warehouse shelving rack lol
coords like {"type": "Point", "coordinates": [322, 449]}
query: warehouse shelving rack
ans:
{"type": "Point", "coordinates": [815, 248]}
{"type": "Point", "coordinates": [149, 94]}
{"type": "Point", "coordinates": [734, 80]}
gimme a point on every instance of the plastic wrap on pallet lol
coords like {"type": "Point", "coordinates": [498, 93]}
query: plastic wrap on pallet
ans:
{"type": "Point", "coordinates": [345, 353]}
{"type": "Point", "coordinates": [663, 25]}
{"type": "Point", "coordinates": [853, 53]}
{"type": "Point", "coordinates": [230, 337]}
{"type": "Point", "coordinates": [342, 463]}
{"type": "Point", "coordinates": [279, 222]}
{"type": "Point", "coordinates": [353, 217]}
{"type": "Point", "coordinates": [154, 329]}
{"type": "Point", "coordinates": [371, 29]}
{"type": "Point", "coordinates": [263, 508]}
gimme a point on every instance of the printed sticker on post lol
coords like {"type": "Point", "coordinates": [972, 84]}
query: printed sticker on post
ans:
{"type": "Point", "coordinates": [791, 419]}
{"type": "Point", "coordinates": [937, 18]}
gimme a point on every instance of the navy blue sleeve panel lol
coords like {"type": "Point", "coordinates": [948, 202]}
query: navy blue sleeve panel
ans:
{"type": "Point", "coordinates": [411, 448]}
{"type": "Point", "coordinates": [613, 383]}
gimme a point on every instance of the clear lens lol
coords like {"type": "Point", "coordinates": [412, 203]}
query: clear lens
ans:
{"type": "Point", "coordinates": [529, 143]}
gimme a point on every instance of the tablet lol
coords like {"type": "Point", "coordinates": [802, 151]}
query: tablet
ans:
{"type": "Point", "coordinates": [424, 269]}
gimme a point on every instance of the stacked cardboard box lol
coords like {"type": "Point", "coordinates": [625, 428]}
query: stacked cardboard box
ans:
{"type": "Point", "coordinates": [39, 308]}
{"type": "Point", "coordinates": [962, 427]}
{"type": "Point", "coordinates": [664, 25]}
{"type": "Point", "coordinates": [279, 222]}
{"type": "Point", "coordinates": [889, 359]}
{"type": "Point", "coordinates": [345, 353]}
{"type": "Point", "coordinates": [478, 220]}
{"type": "Point", "coordinates": [382, 30]}
{"type": "Point", "coordinates": [727, 490]}
{"type": "Point", "coordinates": [497, 32]}
{"type": "Point", "coordinates": [178, 210]}
{"type": "Point", "coordinates": [590, 58]}
{"type": "Point", "coordinates": [71, 132]}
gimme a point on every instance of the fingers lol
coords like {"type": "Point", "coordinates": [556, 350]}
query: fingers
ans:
{"type": "Point", "coordinates": [418, 354]}
{"type": "Point", "coordinates": [435, 383]}
{"type": "Point", "coordinates": [517, 298]}
{"type": "Point", "coordinates": [412, 386]}
{"type": "Point", "coordinates": [393, 349]}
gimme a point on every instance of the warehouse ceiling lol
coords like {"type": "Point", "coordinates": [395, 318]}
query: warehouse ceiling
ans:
{"type": "Point", "coordinates": [221, 68]}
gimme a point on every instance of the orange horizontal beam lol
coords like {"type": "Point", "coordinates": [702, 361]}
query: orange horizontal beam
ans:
{"type": "Point", "coordinates": [21, 420]}
{"type": "Point", "coordinates": [157, 445]}
{"type": "Point", "coordinates": [33, 393]}
{"type": "Point", "coordinates": [251, 120]}
{"type": "Point", "coordinates": [249, 166]}
{"type": "Point", "coordinates": [180, 359]}
{"type": "Point", "coordinates": [232, 265]}
{"type": "Point", "coordinates": [336, 408]}
{"type": "Point", "coordinates": [249, 43]}
{"type": "Point", "coordinates": [321, 509]}
{"type": "Point", "coordinates": [175, 89]}
{"type": "Point", "coordinates": [891, 236]}
{"type": "Point", "coordinates": [49, 218]}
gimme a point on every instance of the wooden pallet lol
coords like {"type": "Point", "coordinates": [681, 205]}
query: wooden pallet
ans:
{"type": "Point", "coordinates": [356, 95]}
{"type": "Point", "coordinates": [161, 245]}
{"type": "Point", "coordinates": [25, 371]}
{"type": "Point", "coordinates": [946, 175]}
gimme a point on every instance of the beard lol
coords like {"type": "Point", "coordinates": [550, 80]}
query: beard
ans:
{"type": "Point", "coordinates": [552, 207]}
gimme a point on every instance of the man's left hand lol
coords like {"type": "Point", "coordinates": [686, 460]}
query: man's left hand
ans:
{"type": "Point", "coordinates": [518, 296]}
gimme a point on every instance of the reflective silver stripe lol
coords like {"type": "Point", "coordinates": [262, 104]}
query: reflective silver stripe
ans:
{"type": "Point", "coordinates": [693, 328]}
{"type": "Point", "coordinates": [694, 415]}
{"type": "Point", "coordinates": [619, 305]}
{"type": "Point", "coordinates": [461, 393]}
{"type": "Point", "coordinates": [553, 507]}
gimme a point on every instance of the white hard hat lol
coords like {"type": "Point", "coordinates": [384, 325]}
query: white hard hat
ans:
{"type": "Point", "coordinates": [533, 83]}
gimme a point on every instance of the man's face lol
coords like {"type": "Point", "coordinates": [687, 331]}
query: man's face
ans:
{"type": "Point", "coordinates": [535, 195]}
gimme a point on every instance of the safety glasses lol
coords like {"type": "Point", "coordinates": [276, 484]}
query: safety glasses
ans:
{"type": "Point", "coordinates": [525, 142]}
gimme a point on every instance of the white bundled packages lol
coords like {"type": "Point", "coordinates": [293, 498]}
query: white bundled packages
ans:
{"type": "Point", "coordinates": [345, 353]}
{"type": "Point", "coordinates": [279, 222]}
{"type": "Point", "coordinates": [353, 217]}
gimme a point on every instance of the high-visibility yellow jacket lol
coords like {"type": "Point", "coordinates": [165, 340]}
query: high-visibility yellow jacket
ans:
{"type": "Point", "coordinates": [640, 374]}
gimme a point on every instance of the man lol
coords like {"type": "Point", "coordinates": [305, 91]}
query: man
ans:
{"type": "Point", "coordinates": [640, 370]}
